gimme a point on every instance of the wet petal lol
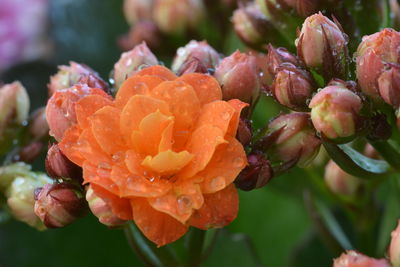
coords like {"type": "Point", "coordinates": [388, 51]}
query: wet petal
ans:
{"type": "Point", "coordinates": [68, 145]}
{"type": "Point", "coordinates": [159, 71]}
{"type": "Point", "coordinates": [87, 106]}
{"type": "Point", "coordinates": [157, 226]}
{"type": "Point", "coordinates": [207, 87]}
{"type": "Point", "coordinates": [219, 209]}
{"type": "Point", "coordinates": [228, 160]}
{"type": "Point", "coordinates": [105, 128]}
{"type": "Point", "coordinates": [167, 162]}
{"type": "Point", "coordinates": [218, 114]}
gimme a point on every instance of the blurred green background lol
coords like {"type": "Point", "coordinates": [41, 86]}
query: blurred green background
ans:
{"type": "Point", "coordinates": [278, 229]}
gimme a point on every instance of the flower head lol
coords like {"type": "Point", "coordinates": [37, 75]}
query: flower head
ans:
{"type": "Point", "coordinates": [162, 153]}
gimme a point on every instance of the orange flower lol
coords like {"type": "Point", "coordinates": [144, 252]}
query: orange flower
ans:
{"type": "Point", "coordinates": [162, 153]}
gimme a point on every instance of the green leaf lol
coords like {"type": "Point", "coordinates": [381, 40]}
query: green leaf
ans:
{"type": "Point", "coordinates": [355, 163]}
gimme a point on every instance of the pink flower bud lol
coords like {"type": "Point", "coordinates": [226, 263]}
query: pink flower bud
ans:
{"type": "Point", "coordinates": [132, 61]}
{"type": "Point", "coordinates": [142, 31]}
{"type": "Point", "coordinates": [175, 16]}
{"type": "Point", "coordinates": [292, 139]}
{"type": "Point", "coordinates": [389, 86]}
{"type": "Point", "coordinates": [59, 166]}
{"type": "Point", "coordinates": [68, 76]}
{"type": "Point", "coordinates": [136, 10]}
{"type": "Point", "coordinates": [292, 87]}
{"type": "Point", "coordinates": [335, 113]}
{"type": "Point", "coordinates": [373, 53]}
{"type": "Point", "coordinates": [238, 76]}
{"type": "Point", "coordinates": [394, 248]}
{"type": "Point", "coordinates": [60, 109]}
{"type": "Point", "coordinates": [195, 57]}
{"type": "Point", "coordinates": [340, 182]}
{"type": "Point", "coordinates": [102, 210]}
{"type": "Point", "coordinates": [278, 56]}
{"type": "Point", "coordinates": [355, 259]}
{"type": "Point", "coordinates": [58, 205]}
{"type": "Point", "coordinates": [322, 45]}
{"type": "Point", "coordinates": [257, 174]}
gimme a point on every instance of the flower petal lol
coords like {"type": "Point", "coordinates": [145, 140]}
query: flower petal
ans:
{"type": "Point", "coordinates": [68, 145]}
{"type": "Point", "coordinates": [238, 106]}
{"type": "Point", "coordinates": [159, 71]}
{"type": "Point", "coordinates": [219, 209]}
{"type": "Point", "coordinates": [138, 107]}
{"type": "Point", "coordinates": [87, 106]}
{"type": "Point", "coordinates": [218, 114]}
{"type": "Point", "coordinates": [167, 162]}
{"type": "Point", "coordinates": [105, 128]}
{"type": "Point", "coordinates": [207, 87]}
{"type": "Point", "coordinates": [227, 162]}
{"type": "Point", "coordinates": [136, 85]}
{"type": "Point", "coordinates": [202, 145]}
{"type": "Point", "coordinates": [183, 104]}
{"type": "Point", "coordinates": [157, 226]}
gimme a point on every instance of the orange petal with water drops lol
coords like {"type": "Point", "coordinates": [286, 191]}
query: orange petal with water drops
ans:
{"type": "Point", "coordinates": [157, 226]}
{"type": "Point", "coordinates": [238, 106]}
{"type": "Point", "coordinates": [183, 104]}
{"type": "Point", "coordinates": [159, 71]}
{"type": "Point", "coordinates": [207, 87]}
{"type": "Point", "coordinates": [180, 201]}
{"type": "Point", "coordinates": [87, 106]}
{"type": "Point", "coordinates": [105, 128]}
{"type": "Point", "coordinates": [219, 209]}
{"type": "Point", "coordinates": [227, 162]}
{"type": "Point", "coordinates": [202, 145]}
{"type": "Point", "coordinates": [138, 107]}
{"type": "Point", "coordinates": [218, 114]}
{"type": "Point", "coordinates": [151, 129]}
{"type": "Point", "coordinates": [121, 207]}
{"type": "Point", "coordinates": [68, 145]}
{"type": "Point", "coordinates": [136, 85]}
{"type": "Point", "coordinates": [167, 162]}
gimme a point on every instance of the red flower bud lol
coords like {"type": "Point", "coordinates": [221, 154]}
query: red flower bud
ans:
{"type": "Point", "coordinates": [277, 56]}
{"type": "Point", "coordinates": [238, 76]}
{"type": "Point", "coordinates": [59, 166]}
{"type": "Point", "coordinates": [257, 174]}
{"type": "Point", "coordinates": [58, 205]}
{"type": "Point", "coordinates": [195, 57]}
{"type": "Point", "coordinates": [373, 54]}
{"type": "Point", "coordinates": [132, 61]}
{"type": "Point", "coordinates": [335, 113]}
{"type": "Point", "coordinates": [244, 133]}
{"type": "Point", "coordinates": [102, 210]}
{"type": "Point", "coordinates": [292, 87]}
{"type": "Point", "coordinates": [394, 248]}
{"type": "Point", "coordinates": [355, 259]}
{"type": "Point", "coordinates": [68, 76]}
{"type": "Point", "coordinates": [136, 10]}
{"type": "Point", "coordinates": [292, 140]}
{"type": "Point", "coordinates": [175, 16]}
{"type": "Point", "coordinates": [322, 45]}
{"type": "Point", "coordinates": [340, 182]}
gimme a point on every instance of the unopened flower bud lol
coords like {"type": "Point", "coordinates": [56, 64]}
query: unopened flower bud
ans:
{"type": "Point", "coordinates": [252, 26]}
{"type": "Point", "coordinates": [58, 205]}
{"type": "Point", "coordinates": [244, 132]}
{"type": "Point", "coordinates": [20, 197]}
{"type": "Point", "coordinates": [14, 108]}
{"type": "Point", "coordinates": [257, 174]}
{"type": "Point", "coordinates": [373, 55]}
{"type": "Point", "coordinates": [355, 259]}
{"type": "Point", "coordinates": [238, 76]}
{"type": "Point", "coordinates": [278, 56]}
{"type": "Point", "coordinates": [102, 210]}
{"type": "Point", "coordinates": [322, 45]}
{"type": "Point", "coordinates": [136, 10]}
{"type": "Point", "coordinates": [195, 57]}
{"type": "Point", "coordinates": [292, 87]}
{"type": "Point", "coordinates": [335, 113]}
{"type": "Point", "coordinates": [72, 74]}
{"type": "Point", "coordinates": [175, 16]}
{"type": "Point", "coordinates": [394, 248]}
{"type": "Point", "coordinates": [59, 166]}
{"type": "Point", "coordinates": [60, 109]}
{"type": "Point", "coordinates": [340, 182]}
{"type": "Point", "coordinates": [132, 61]}
{"type": "Point", "coordinates": [142, 31]}
{"type": "Point", "coordinates": [292, 140]}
